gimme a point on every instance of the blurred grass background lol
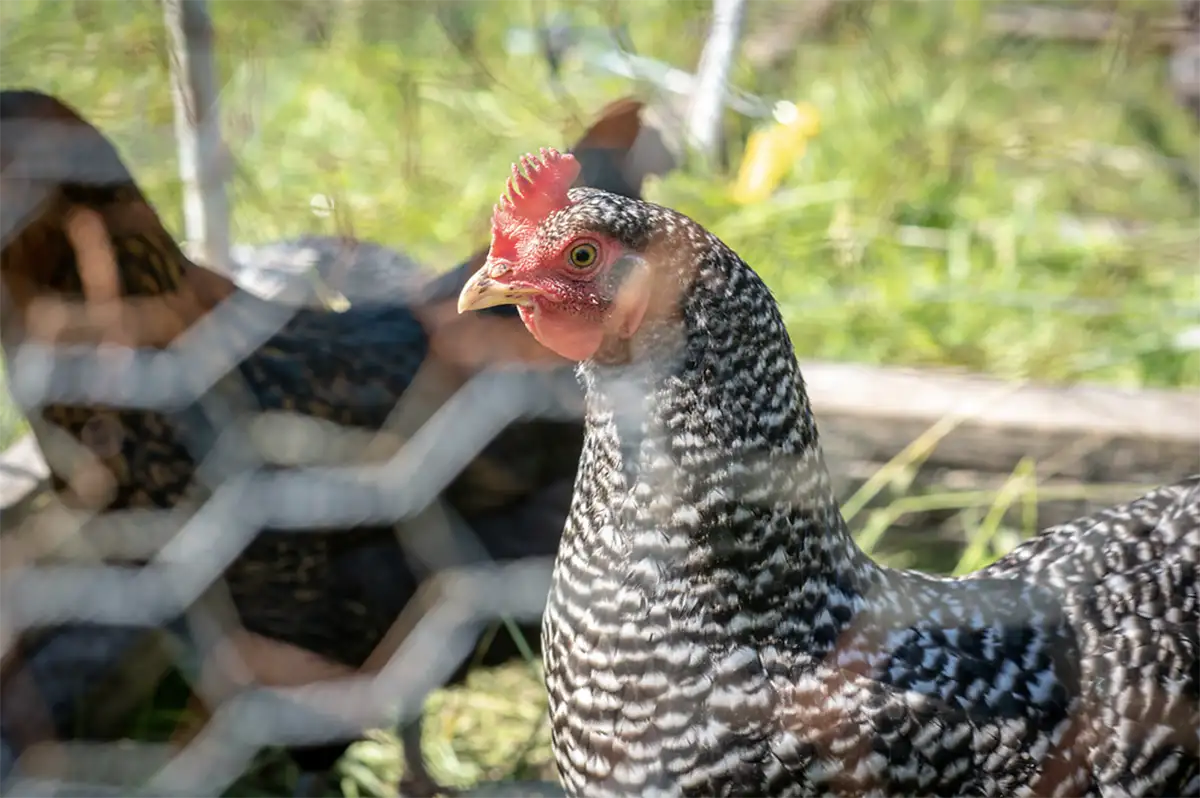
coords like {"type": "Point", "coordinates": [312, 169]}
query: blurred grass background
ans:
{"type": "Point", "coordinates": [1019, 208]}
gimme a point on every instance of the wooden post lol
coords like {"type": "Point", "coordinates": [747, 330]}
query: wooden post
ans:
{"type": "Point", "coordinates": [712, 77]}
{"type": "Point", "coordinates": [202, 161]}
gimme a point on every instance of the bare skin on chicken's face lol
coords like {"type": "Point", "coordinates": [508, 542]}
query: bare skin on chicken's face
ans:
{"type": "Point", "coordinates": [568, 324]}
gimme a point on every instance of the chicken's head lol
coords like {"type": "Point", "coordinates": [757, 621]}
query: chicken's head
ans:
{"type": "Point", "coordinates": [574, 260]}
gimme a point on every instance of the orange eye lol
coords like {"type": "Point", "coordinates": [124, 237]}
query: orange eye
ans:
{"type": "Point", "coordinates": [583, 256]}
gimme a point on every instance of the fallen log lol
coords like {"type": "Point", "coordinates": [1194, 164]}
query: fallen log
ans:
{"type": "Point", "coordinates": [776, 30]}
{"type": "Point", "coordinates": [1087, 432]}
{"type": "Point", "coordinates": [1086, 25]}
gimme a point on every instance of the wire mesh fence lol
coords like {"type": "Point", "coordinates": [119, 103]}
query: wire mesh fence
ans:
{"type": "Point", "coordinates": [186, 551]}
{"type": "Point", "coordinates": [93, 575]}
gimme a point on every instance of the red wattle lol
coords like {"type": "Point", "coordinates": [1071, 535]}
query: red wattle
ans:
{"type": "Point", "coordinates": [562, 333]}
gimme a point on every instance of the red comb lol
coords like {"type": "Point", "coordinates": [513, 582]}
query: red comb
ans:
{"type": "Point", "coordinates": [542, 188]}
{"type": "Point", "coordinates": [531, 196]}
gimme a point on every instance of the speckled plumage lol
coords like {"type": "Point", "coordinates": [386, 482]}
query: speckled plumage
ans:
{"type": "Point", "coordinates": [712, 629]}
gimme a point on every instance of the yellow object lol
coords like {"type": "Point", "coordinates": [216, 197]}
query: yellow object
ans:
{"type": "Point", "coordinates": [771, 151]}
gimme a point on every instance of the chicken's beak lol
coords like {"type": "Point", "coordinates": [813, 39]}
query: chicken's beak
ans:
{"type": "Point", "coordinates": [484, 291]}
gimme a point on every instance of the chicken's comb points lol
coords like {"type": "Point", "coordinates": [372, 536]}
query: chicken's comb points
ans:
{"type": "Point", "coordinates": [538, 185]}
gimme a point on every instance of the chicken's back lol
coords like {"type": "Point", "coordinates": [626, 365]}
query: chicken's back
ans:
{"type": "Point", "coordinates": [309, 270]}
{"type": "Point", "coordinates": [1127, 578]}
{"type": "Point", "coordinates": [1151, 526]}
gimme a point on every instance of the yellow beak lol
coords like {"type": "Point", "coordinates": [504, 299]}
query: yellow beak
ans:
{"type": "Point", "coordinates": [482, 291]}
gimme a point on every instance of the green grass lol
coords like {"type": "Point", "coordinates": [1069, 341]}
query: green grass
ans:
{"type": "Point", "coordinates": [931, 130]}
{"type": "Point", "coordinates": [924, 225]}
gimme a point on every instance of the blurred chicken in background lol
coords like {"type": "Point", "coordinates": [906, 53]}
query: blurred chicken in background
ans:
{"type": "Point", "coordinates": [333, 593]}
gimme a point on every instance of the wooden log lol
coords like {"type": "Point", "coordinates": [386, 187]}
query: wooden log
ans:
{"type": "Point", "coordinates": [1091, 433]}
{"type": "Point", "coordinates": [1083, 25]}
{"type": "Point", "coordinates": [778, 28]}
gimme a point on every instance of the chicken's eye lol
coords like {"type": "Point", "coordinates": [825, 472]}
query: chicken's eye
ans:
{"type": "Point", "coordinates": [583, 256]}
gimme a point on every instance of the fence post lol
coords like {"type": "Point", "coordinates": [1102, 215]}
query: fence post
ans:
{"type": "Point", "coordinates": [202, 159]}
{"type": "Point", "coordinates": [712, 77]}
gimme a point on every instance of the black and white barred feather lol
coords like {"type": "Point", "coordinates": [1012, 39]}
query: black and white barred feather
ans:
{"type": "Point", "coordinates": [712, 629]}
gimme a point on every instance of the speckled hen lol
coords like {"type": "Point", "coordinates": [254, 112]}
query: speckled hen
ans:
{"type": "Point", "coordinates": [712, 629]}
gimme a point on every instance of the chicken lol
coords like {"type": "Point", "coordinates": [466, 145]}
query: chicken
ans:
{"type": "Point", "coordinates": [333, 592]}
{"type": "Point", "coordinates": [712, 628]}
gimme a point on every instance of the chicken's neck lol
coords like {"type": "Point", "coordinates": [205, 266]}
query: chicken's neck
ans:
{"type": "Point", "coordinates": [702, 482]}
